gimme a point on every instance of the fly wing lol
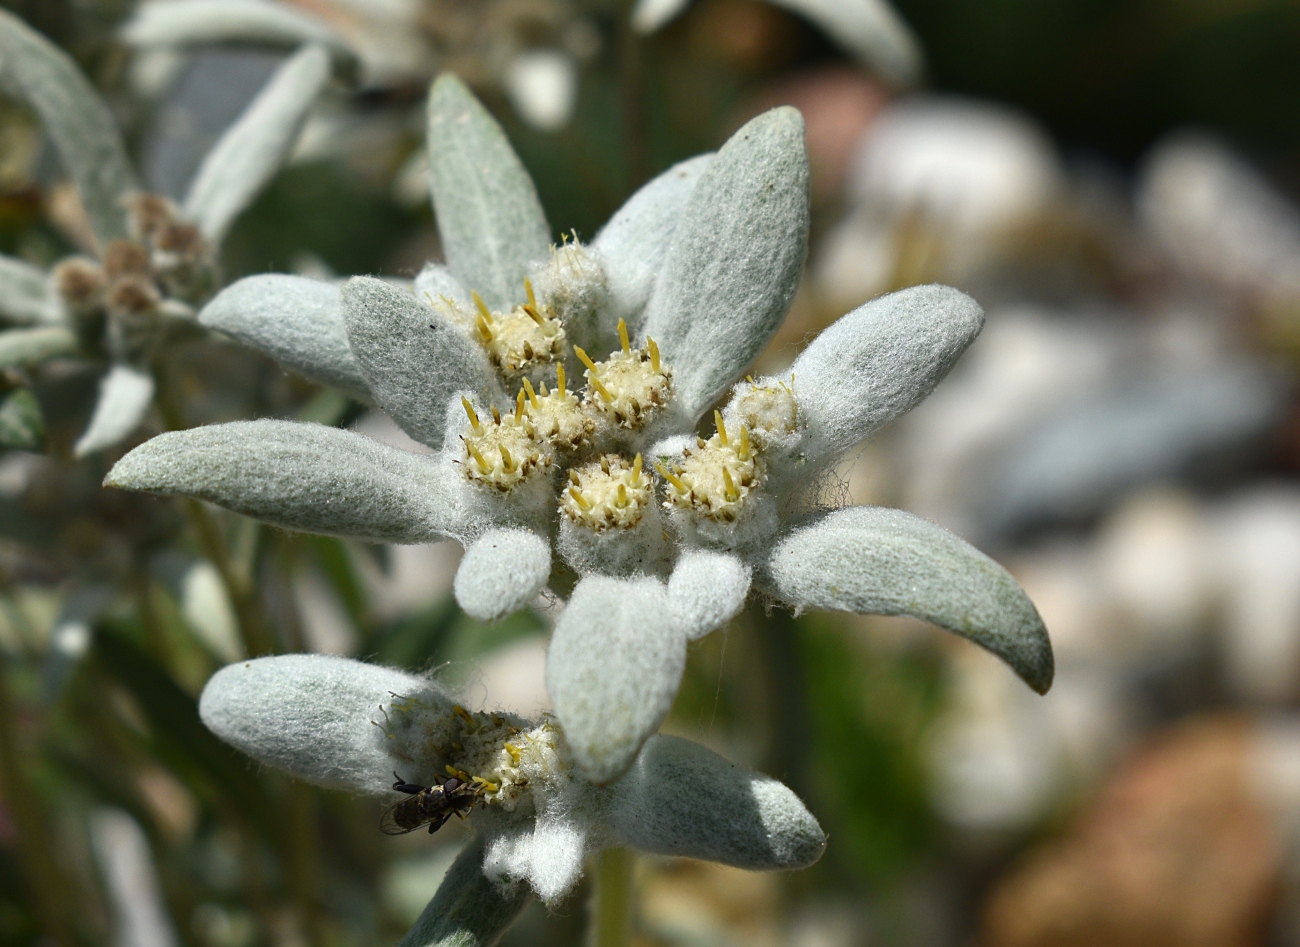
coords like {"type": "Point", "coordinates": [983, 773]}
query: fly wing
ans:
{"type": "Point", "coordinates": [388, 823]}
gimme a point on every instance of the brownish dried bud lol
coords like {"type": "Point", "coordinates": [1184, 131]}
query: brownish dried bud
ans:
{"type": "Point", "coordinates": [79, 282]}
{"type": "Point", "coordinates": [181, 240]}
{"type": "Point", "coordinates": [132, 295]}
{"type": "Point", "coordinates": [126, 258]}
{"type": "Point", "coordinates": [149, 214]}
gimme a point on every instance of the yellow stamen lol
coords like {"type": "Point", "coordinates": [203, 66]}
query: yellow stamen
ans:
{"type": "Point", "coordinates": [621, 502]}
{"type": "Point", "coordinates": [473, 418]}
{"type": "Point", "coordinates": [479, 459]}
{"type": "Point", "coordinates": [528, 288]}
{"type": "Point", "coordinates": [507, 459]}
{"type": "Point", "coordinates": [484, 329]}
{"type": "Point", "coordinates": [519, 406]}
{"type": "Point", "coordinates": [743, 450]}
{"type": "Point", "coordinates": [463, 714]}
{"type": "Point", "coordinates": [533, 314]}
{"type": "Point", "coordinates": [458, 773]}
{"type": "Point", "coordinates": [574, 478]}
{"type": "Point", "coordinates": [654, 354]}
{"type": "Point", "coordinates": [513, 750]}
{"type": "Point", "coordinates": [579, 499]}
{"type": "Point", "coordinates": [722, 428]}
{"type": "Point", "coordinates": [672, 478]}
{"type": "Point", "coordinates": [496, 415]}
{"type": "Point", "coordinates": [481, 306]}
{"type": "Point", "coordinates": [559, 380]}
{"type": "Point", "coordinates": [593, 378]}
{"type": "Point", "coordinates": [622, 336]}
{"type": "Point", "coordinates": [490, 787]}
{"type": "Point", "coordinates": [729, 486]}
{"type": "Point", "coordinates": [636, 471]}
{"type": "Point", "coordinates": [585, 359]}
{"type": "Point", "coordinates": [604, 392]}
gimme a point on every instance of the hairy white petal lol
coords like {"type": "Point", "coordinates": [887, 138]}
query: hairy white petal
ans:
{"type": "Point", "coordinates": [470, 909]}
{"type": "Point", "coordinates": [252, 150]}
{"type": "Point", "coordinates": [311, 715]}
{"type": "Point", "coordinates": [502, 571]}
{"type": "Point", "coordinates": [735, 259]}
{"type": "Point", "coordinates": [78, 122]}
{"type": "Point", "coordinates": [24, 293]}
{"type": "Point", "coordinates": [549, 855]}
{"type": "Point", "coordinates": [296, 320]}
{"type": "Point", "coordinates": [635, 242]}
{"type": "Point", "coordinates": [306, 477]}
{"type": "Point", "coordinates": [707, 589]}
{"type": "Point", "coordinates": [870, 29]}
{"type": "Point", "coordinates": [125, 394]}
{"type": "Point", "coordinates": [413, 357]}
{"type": "Point", "coordinates": [489, 218]}
{"type": "Point", "coordinates": [185, 23]}
{"type": "Point", "coordinates": [878, 362]}
{"type": "Point", "coordinates": [613, 669]}
{"type": "Point", "coordinates": [682, 799]}
{"type": "Point", "coordinates": [877, 561]}
{"type": "Point", "coordinates": [25, 346]}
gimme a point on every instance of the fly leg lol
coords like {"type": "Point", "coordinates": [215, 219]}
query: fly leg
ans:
{"type": "Point", "coordinates": [438, 823]}
{"type": "Point", "coordinates": [409, 788]}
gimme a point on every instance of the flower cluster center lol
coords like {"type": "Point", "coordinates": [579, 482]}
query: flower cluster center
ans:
{"type": "Point", "coordinates": [716, 476]}
{"type": "Point", "coordinates": [607, 493]}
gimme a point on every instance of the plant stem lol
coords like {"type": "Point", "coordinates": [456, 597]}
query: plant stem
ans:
{"type": "Point", "coordinates": [614, 899]}
{"type": "Point", "coordinates": [51, 895]}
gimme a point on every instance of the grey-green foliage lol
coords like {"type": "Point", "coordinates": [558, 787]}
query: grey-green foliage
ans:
{"type": "Point", "coordinates": [735, 259]}
{"type": "Point", "coordinates": [300, 476]}
{"type": "Point", "coordinates": [125, 395]}
{"type": "Point", "coordinates": [178, 24]}
{"type": "Point", "coordinates": [25, 346]}
{"type": "Point", "coordinates": [878, 561]}
{"type": "Point", "coordinates": [24, 293]}
{"type": "Point", "coordinates": [75, 119]}
{"type": "Point", "coordinates": [469, 910]}
{"type": "Point", "coordinates": [22, 426]}
{"type": "Point", "coordinates": [489, 217]}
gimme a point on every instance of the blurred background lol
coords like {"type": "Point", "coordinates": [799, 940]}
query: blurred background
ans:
{"type": "Point", "coordinates": [1116, 181]}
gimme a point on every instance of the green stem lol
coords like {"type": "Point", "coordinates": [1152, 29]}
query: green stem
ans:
{"type": "Point", "coordinates": [614, 900]}
{"type": "Point", "coordinates": [51, 894]}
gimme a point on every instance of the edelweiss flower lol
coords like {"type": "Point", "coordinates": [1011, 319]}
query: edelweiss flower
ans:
{"type": "Point", "coordinates": [341, 723]}
{"type": "Point", "coordinates": [666, 530]}
{"type": "Point", "coordinates": [152, 261]}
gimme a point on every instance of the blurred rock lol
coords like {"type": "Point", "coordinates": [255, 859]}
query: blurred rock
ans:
{"type": "Point", "coordinates": [1177, 851]}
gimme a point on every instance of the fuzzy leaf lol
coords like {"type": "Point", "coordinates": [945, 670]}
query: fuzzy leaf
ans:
{"type": "Point", "coordinates": [469, 910]}
{"type": "Point", "coordinates": [502, 572]}
{"type": "Point", "coordinates": [877, 363]}
{"type": "Point", "coordinates": [24, 292]}
{"type": "Point", "coordinates": [681, 799]}
{"type": "Point", "coordinates": [191, 23]}
{"type": "Point", "coordinates": [635, 242]}
{"type": "Point", "coordinates": [548, 854]}
{"type": "Point", "coordinates": [489, 218]}
{"type": "Point", "coordinates": [125, 395]}
{"type": "Point", "coordinates": [22, 426]}
{"type": "Point", "coordinates": [297, 321]}
{"type": "Point", "coordinates": [613, 669]}
{"type": "Point", "coordinates": [413, 357]}
{"type": "Point", "coordinates": [876, 561]}
{"type": "Point", "coordinates": [28, 346]}
{"type": "Point", "coordinates": [735, 259]}
{"type": "Point", "coordinates": [252, 150]}
{"type": "Point", "coordinates": [74, 117]}
{"type": "Point", "coordinates": [707, 589]}
{"type": "Point", "coordinates": [310, 715]}
{"type": "Point", "coordinates": [306, 477]}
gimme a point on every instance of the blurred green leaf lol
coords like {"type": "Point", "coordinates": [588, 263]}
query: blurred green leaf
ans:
{"type": "Point", "coordinates": [22, 426]}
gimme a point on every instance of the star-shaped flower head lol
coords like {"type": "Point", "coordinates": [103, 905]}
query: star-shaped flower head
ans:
{"type": "Point", "coordinates": [150, 261]}
{"type": "Point", "coordinates": [344, 724]}
{"type": "Point", "coordinates": [541, 479]}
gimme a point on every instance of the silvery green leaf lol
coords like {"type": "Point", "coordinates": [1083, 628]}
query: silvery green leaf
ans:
{"type": "Point", "coordinates": [635, 242]}
{"type": "Point", "coordinates": [192, 23]}
{"type": "Point", "coordinates": [735, 259]}
{"type": "Point", "coordinates": [125, 395]}
{"type": "Point", "coordinates": [503, 570]}
{"type": "Point", "coordinates": [305, 477]}
{"type": "Point", "coordinates": [413, 357]}
{"type": "Point", "coordinates": [706, 590]}
{"type": "Point", "coordinates": [878, 362]}
{"type": "Point", "coordinates": [24, 292]}
{"type": "Point", "coordinates": [681, 799]}
{"type": "Point", "coordinates": [296, 320]}
{"type": "Point", "coordinates": [613, 668]}
{"type": "Point", "coordinates": [876, 561]}
{"type": "Point", "coordinates": [22, 426]}
{"type": "Point", "coordinates": [252, 150]}
{"type": "Point", "coordinates": [469, 910]}
{"type": "Point", "coordinates": [74, 117]}
{"type": "Point", "coordinates": [27, 346]}
{"type": "Point", "coordinates": [207, 608]}
{"type": "Point", "coordinates": [489, 218]}
{"type": "Point", "coordinates": [310, 715]}
{"type": "Point", "coordinates": [435, 282]}
{"type": "Point", "coordinates": [870, 29]}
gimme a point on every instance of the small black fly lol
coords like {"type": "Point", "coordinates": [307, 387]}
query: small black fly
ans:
{"type": "Point", "coordinates": [428, 805]}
